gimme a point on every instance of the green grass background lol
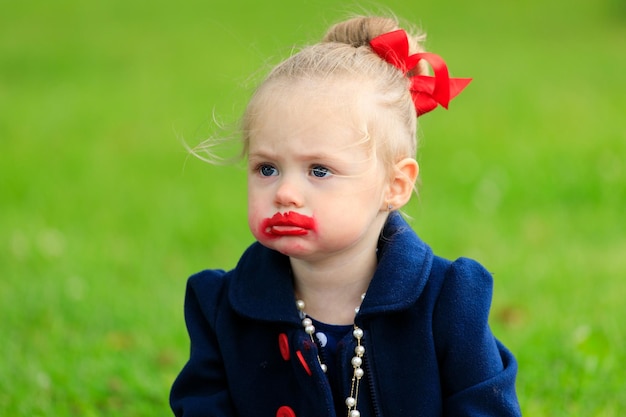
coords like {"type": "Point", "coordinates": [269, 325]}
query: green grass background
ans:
{"type": "Point", "coordinates": [103, 215]}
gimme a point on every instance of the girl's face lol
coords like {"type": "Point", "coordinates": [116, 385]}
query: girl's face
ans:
{"type": "Point", "coordinates": [314, 191]}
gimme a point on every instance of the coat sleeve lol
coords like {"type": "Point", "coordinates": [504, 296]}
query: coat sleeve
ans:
{"type": "Point", "coordinates": [477, 371]}
{"type": "Point", "coordinates": [201, 387]}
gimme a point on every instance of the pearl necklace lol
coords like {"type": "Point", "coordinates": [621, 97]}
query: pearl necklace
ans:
{"type": "Point", "coordinates": [357, 359]}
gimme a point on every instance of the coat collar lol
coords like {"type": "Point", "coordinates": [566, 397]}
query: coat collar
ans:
{"type": "Point", "coordinates": [262, 287]}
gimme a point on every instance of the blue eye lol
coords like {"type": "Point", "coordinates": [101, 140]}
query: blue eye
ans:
{"type": "Point", "coordinates": [319, 171]}
{"type": "Point", "coordinates": [267, 170]}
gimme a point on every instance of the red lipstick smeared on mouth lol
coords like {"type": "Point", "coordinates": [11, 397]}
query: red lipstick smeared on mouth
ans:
{"type": "Point", "coordinates": [287, 224]}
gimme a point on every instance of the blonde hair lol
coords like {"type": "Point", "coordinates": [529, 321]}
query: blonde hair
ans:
{"type": "Point", "coordinates": [345, 54]}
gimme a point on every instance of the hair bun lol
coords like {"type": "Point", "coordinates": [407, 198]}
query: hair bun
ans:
{"type": "Point", "coordinates": [359, 31]}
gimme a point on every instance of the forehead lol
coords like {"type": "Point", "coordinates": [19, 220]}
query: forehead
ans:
{"type": "Point", "coordinates": [309, 113]}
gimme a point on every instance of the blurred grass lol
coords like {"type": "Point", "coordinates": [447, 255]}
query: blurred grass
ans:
{"type": "Point", "coordinates": [103, 215]}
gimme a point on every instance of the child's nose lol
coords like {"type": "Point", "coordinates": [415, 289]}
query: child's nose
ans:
{"type": "Point", "coordinates": [289, 193]}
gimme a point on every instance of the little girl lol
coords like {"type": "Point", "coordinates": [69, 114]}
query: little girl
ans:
{"type": "Point", "coordinates": [340, 309]}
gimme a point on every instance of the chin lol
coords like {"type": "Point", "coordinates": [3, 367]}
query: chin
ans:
{"type": "Point", "coordinates": [291, 249]}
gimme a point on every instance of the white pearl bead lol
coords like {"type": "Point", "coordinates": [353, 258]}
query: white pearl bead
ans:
{"type": "Point", "coordinates": [359, 372]}
{"type": "Point", "coordinates": [307, 322]}
{"type": "Point", "coordinates": [357, 333]}
{"type": "Point", "coordinates": [356, 361]}
{"type": "Point", "coordinates": [355, 413]}
{"type": "Point", "coordinates": [350, 402]}
{"type": "Point", "coordinates": [359, 350]}
{"type": "Point", "coordinates": [324, 367]}
{"type": "Point", "coordinates": [300, 304]}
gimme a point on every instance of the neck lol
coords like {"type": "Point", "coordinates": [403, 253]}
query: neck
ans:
{"type": "Point", "coordinates": [332, 289]}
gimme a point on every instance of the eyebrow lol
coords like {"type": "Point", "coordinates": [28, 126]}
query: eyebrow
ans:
{"type": "Point", "coordinates": [302, 157]}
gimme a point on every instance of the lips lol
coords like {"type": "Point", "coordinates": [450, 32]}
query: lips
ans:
{"type": "Point", "coordinates": [288, 224]}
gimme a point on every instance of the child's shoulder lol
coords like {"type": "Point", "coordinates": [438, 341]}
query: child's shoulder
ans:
{"type": "Point", "coordinates": [463, 276]}
{"type": "Point", "coordinates": [465, 289]}
{"type": "Point", "coordinates": [207, 286]}
{"type": "Point", "coordinates": [207, 277]}
{"type": "Point", "coordinates": [463, 269]}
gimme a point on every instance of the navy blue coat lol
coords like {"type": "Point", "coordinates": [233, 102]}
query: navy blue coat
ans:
{"type": "Point", "coordinates": [429, 348]}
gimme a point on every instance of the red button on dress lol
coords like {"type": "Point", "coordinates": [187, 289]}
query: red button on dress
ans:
{"type": "Point", "coordinates": [283, 345]}
{"type": "Point", "coordinates": [285, 411]}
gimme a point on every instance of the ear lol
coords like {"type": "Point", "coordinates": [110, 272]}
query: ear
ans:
{"type": "Point", "coordinates": [402, 183]}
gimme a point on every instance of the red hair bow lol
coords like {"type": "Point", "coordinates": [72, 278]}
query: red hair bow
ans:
{"type": "Point", "coordinates": [427, 91]}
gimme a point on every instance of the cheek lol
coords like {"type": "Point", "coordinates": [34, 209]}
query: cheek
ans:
{"type": "Point", "coordinates": [256, 215]}
{"type": "Point", "coordinates": [253, 218]}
